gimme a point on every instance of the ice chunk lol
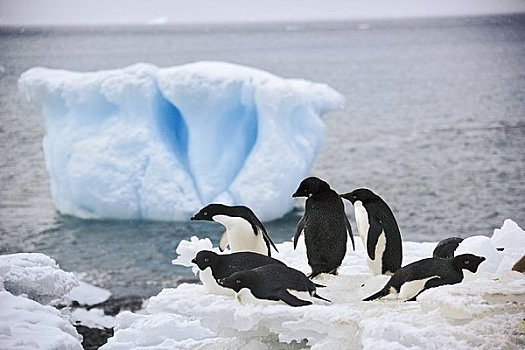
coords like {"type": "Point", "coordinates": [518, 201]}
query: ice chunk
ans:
{"type": "Point", "coordinates": [144, 142]}
{"type": "Point", "coordinates": [35, 275]}
{"type": "Point", "coordinates": [444, 317]}
{"type": "Point", "coordinates": [87, 294]}
{"type": "Point", "coordinates": [502, 250]}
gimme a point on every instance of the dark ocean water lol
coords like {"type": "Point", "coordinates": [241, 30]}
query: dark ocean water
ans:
{"type": "Point", "coordinates": [434, 123]}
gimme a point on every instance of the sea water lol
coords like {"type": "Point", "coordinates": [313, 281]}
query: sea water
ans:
{"type": "Point", "coordinates": [434, 123]}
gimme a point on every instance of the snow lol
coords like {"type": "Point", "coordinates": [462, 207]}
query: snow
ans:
{"type": "Point", "coordinates": [35, 275]}
{"type": "Point", "coordinates": [489, 303]}
{"type": "Point", "coordinates": [30, 285]}
{"type": "Point", "coordinates": [27, 324]}
{"type": "Point", "coordinates": [144, 142]}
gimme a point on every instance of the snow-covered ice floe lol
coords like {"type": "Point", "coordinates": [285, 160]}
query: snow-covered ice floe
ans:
{"type": "Point", "coordinates": [485, 311]}
{"type": "Point", "coordinates": [30, 285]}
{"type": "Point", "coordinates": [144, 142]}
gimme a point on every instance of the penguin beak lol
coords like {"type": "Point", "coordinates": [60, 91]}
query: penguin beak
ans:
{"type": "Point", "coordinates": [220, 281]}
{"type": "Point", "coordinates": [194, 261]}
{"type": "Point", "coordinates": [192, 218]}
{"type": "Point", "coordinates": [295, 195]}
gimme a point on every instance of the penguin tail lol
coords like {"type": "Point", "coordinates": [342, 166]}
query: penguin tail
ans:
{"type": "Point", "coordinates": [315, 295]}
{"type": "Point", "coordinates": [383, 292]}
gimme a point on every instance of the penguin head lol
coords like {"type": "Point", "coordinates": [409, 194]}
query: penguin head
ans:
{"type": "Point", "coordinates": [239, 280]}
{"type": "Point", "coordinates": [361, 194]}
{"type": "Point", "coordinates": [205, 259]}
{"type": "Point", "coordinates": [311, 186]}
{"type": "Point", "coordinates": [209, 211]}
{"type": "Point", "coordinates": [468, 261]}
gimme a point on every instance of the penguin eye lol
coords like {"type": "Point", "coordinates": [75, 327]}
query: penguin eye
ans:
{"type": "Point", "coordinates": [354, 197]}
{"type": "Point", "coordinates": [238, 281]}
{"type": "Point", "coordinates": [206, 259]}
{"type": "Point", "coordinates": [205, 213]}
{"type": "Point", "coordinates": [467, 262]}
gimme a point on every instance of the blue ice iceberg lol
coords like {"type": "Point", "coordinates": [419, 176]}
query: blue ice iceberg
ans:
{"type": "Point", "coordinates": [144, 142]}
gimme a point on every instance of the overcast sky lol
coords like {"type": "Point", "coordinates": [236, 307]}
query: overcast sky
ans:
{"type": "Point", "coordinates": [82, 12]}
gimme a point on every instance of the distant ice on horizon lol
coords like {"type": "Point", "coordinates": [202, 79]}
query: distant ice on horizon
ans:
{"type": "Point", "coordinates": [155, 12]}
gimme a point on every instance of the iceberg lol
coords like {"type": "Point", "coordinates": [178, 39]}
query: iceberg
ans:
{"type": "Point", "coordinates": [490, 303]}
{"type": "Point", "coordinates": [144, 142]}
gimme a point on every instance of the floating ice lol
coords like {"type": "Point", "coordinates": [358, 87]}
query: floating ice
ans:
{"type": "Point", "coordinates": [488, 303]}
{"type": "Point", "coordinates": [144, 142]}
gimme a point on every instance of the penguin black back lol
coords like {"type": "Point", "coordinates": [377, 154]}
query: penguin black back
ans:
{"type": "Point", "coordinates": [428, 273]}
{"type": "Point", "coordinates": [273, 282]}
{"type": "Point", "coordinates": [223, 265]}
{"type": "Point", "coordinates": [325, 226]}
{"type": "Point", "coordinates": [378, 229]}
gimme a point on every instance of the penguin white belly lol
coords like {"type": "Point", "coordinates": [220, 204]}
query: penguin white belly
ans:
{"type": "Point", "coordinates": [241, 236]}
{"type": "Point", "coordinates": [376, 266]}
{"type": "Point", "coordinates": [245, 297]}
{"type": "Point", "coordinates": [412, 288]}
{"type": "Point", "coordinates": [211, 285]}
{"type": "Point", "coordinates": [361, 219]}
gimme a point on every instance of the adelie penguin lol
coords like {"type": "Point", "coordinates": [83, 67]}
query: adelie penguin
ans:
{"type": "Point", "coordinates": [271, 282]}
{"type": "Point", "coordinates": [325, 226]}
{"type": "Point", "coordinates": [244, 231]}
{"type": "Point", "coordinates": [215, 266]}
{"type": "Point", "coordinates": [413, 279]}
{"type": "Point", "coordinates": [379, 232]}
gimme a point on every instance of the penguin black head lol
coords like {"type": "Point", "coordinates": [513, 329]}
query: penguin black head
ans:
{"type": "Point", "coordinates": [311, 186]}
{"type": "Point", "coordinates": [239, 280]}
{"type": "Point", "coordinates": [361, 194]}
{"type": "Point", "coordinates": [209, 211]}
{"type": "Point", "coordinates": [468, 261]}
{"type": "Point", "coordinates": [204, 259]}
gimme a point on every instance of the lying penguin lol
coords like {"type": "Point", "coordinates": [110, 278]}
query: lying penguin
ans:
{"type": "Point", "coordinates": [413, 279]}
{"type": "Point", "coordinates": [271, 282]}
{"type": "Point", "coordinates": [215, 266]}
{"type": "Point", "coordinates": [244, 231]}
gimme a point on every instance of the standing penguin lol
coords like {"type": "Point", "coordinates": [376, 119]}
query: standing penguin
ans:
{"type": "Point", "coordinates": [244, 231]}
{"type": "Point", "coordinates": [413, 279]}
{"type": "Point", "coordinates": [271, 282]}
{"type": "Point", "coordinates": [379, 232]}
{"type": "Point", "coordinates": [325, 226]}
{"type": "Point", "coordinates": [215, 266]}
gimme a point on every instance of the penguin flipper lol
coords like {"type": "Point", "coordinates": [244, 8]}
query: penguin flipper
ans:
{"type": "Point", "coordinates": [374, 231]}
{"type": "Point", "coordinates": [267, 239]}
{"type": "Point", "coordinates": [299, 230]}
{"type": "Point", "coordinates": [223, 243]}
{"type": "Point", "coordinates": [382, 293]}
{"type": "Point", "coordinates": [446, 247]}
{"type": "Point", "coordinates": [291, 299]}
{"type": "Point", "coordinates": [349, 230]}
{"type": "Point", "coordinates": [315, 295]}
